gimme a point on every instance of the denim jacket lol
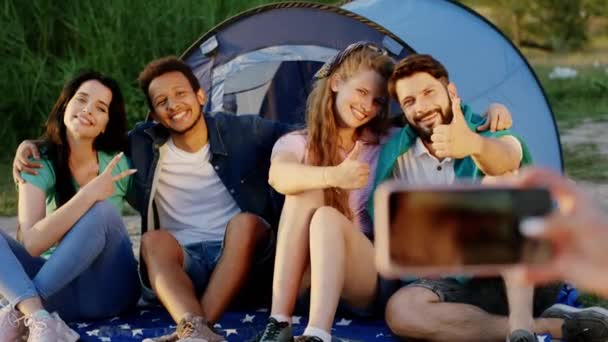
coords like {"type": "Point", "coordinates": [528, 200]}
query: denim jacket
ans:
{"type": "Point", "coordinates": [240, 154]}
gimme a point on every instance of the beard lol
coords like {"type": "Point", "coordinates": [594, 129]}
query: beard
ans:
{"type": "Point", "coordinates": [425, 133]}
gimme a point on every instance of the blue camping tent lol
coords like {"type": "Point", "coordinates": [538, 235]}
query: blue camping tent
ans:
{"type": "Point", "coordinates": [483, 63]}
{"type": "Point", "coordinates": [262, 60]}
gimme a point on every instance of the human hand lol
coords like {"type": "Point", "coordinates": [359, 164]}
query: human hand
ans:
{"type": "Point", "coordinates": [351, 173]}
{"type": "Point", "coordinates": [498, 118]}
{"type": "Point", "coordinates": [578, 232]}
{"type": "Point", "coordinates": [102, 186]}
{"type": "Point", "coordinates": [21, 163]}
{"type": "Point", "coordinates": [454, 140]}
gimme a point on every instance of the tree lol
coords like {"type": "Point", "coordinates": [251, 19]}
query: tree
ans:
{"type": "Point", "coordinates": [549, 24]}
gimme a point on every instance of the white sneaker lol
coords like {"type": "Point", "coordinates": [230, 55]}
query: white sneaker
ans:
{"type": "Point", "coordinates": [49, 328]}
{"type": "Point", "coordinates": [12, 328]}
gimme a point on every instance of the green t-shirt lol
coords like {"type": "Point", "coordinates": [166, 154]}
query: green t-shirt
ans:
{"type": "Point", "coordinates": [45, 180]}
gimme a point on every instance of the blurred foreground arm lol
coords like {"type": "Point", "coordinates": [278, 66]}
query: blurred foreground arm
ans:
{"type": "Point", "coordinates": [578, 232]}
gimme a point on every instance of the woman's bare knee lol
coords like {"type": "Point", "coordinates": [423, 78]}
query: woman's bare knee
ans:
{"type": "Point", "coordinates": [326, 221]}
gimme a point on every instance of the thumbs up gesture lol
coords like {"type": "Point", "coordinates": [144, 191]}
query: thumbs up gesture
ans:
{"type": "Point", "coordinates": [454, 140]}
{"type": "Point", "coordinates": [351, 173]}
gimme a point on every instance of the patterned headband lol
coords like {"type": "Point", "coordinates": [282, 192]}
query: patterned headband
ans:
{"type": "Point", "coordinates": [332, 64]}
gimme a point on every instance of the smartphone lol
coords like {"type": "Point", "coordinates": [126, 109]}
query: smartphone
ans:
{"type": "Point", "coordinates": [454, 230]}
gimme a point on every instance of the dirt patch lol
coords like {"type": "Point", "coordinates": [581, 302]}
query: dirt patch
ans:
{"type": "Point", "coordinates": [590, 132]}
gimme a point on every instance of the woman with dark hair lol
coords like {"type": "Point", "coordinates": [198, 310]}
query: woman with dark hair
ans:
{"type": "Point", "coordinates": [74, 255]}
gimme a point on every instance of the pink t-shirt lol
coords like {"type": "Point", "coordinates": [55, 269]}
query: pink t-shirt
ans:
{"type": "Point", "coordinates": [296, 143]}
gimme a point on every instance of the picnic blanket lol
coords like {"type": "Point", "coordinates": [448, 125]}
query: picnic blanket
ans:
{"type": "Point", "coordinates": [235, 326]}
{"type": "Point", "coordinates": [154, 321]}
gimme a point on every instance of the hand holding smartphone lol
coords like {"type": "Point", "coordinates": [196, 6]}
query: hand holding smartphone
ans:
{"type": "Point", "coordinates": [457, 229]}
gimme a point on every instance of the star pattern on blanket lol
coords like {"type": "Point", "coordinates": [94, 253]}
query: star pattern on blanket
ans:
{"type": "Point", "coordinates": [229, 332]}
{"type": "Point", "coordinates": [248, 319]}
{"type": "Point", "coordinates": [344, 322]}
{"type": "Point", "coordinates": [234, 326]}
{"type": "Point", "coordinates": [93, 332]}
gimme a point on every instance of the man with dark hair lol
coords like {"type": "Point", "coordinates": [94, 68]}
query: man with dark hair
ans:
{"type": "Point", "coordinates": [203, 194]}
{"type": "Point", "coordinates": [439, 145]}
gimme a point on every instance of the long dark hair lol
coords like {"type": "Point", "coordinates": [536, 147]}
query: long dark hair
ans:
{"type": "Point", "coordinates": [54, 145]}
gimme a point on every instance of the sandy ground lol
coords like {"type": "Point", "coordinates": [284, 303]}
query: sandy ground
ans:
{"type": "Point", "coordinates": [588, 132]}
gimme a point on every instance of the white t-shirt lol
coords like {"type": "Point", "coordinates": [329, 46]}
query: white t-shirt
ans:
{"type": "Point", "coordinates": [193, 203]}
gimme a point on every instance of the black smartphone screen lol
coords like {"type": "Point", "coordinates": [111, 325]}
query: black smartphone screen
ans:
{"type": "Point", "coordinates": [463, 227]}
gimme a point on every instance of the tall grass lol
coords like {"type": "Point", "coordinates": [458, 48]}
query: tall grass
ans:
{"type": "Point", "coordinates": [578, 98]}
{"type": "Point", "coordinates": [44, 42]}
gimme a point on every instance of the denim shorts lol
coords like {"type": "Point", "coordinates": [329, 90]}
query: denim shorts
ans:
{"type": "Point", "coordinates": [201, 258]}
{"type": "Point", "coordinates": [488, 294]}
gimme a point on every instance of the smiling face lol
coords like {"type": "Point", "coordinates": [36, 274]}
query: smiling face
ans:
{"type": "Point", "coordinates": [358, 98]}
{"type": "Point", "coordinates": [87, 112]}
{"type": "Point", "coordinates": [425, 102]}
{"type": "Point", "coordinates": [175, 104]}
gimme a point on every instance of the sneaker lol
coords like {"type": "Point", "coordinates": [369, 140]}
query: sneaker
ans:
{"type": "Point", "coordinates": [305, 338]}
{"type": "Point", "coordinates": [589, 324]}
{"type": "Point", "coordinates": [521, 335]}
{"type": "Point", "coordinates": [190, 329]}
{"type": "Point", "coordinates": [195, 329]}
{"type": "Point", "coordinates": [12, 328]}
{"type": "Point", "coordinates": [275, 331]}
{"type": "Point", "coordinates": [166, 338]}
{"type": "Point", "coordinates": [49, 328]}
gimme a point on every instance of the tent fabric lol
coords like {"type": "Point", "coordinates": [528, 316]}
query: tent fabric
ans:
{"type": "Point", "coordinates": [485, 66]}
{"type": "Point", "coordinates": [263, 60]}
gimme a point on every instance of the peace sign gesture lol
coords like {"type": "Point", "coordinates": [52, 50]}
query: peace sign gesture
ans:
{"type": "Point", "coordinates": [102, 186]}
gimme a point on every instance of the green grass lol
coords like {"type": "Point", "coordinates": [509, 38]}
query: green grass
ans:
{"type": "Point", "coordinates": [584, 162]}
{"type": "Point", "coordinates": [575, 99]}
{"type": "Point", "coordinates": [44, 42]}
{"type": "Point", "coordinates": [8, 191]}
{"type": "Point", "coordinates": [593, 300]}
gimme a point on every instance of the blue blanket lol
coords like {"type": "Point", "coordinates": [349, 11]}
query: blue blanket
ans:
{"type": "Point", "coordinates": [242, 326]}
{"type": "Point", "coordinates": [236, 326]}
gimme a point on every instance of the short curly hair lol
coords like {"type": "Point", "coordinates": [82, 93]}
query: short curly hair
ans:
{"type": "Point", "coordinates": [162, 66]}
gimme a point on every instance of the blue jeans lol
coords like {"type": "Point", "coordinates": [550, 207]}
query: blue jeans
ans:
{"type": "Point", "coordinates": [91, 274]}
